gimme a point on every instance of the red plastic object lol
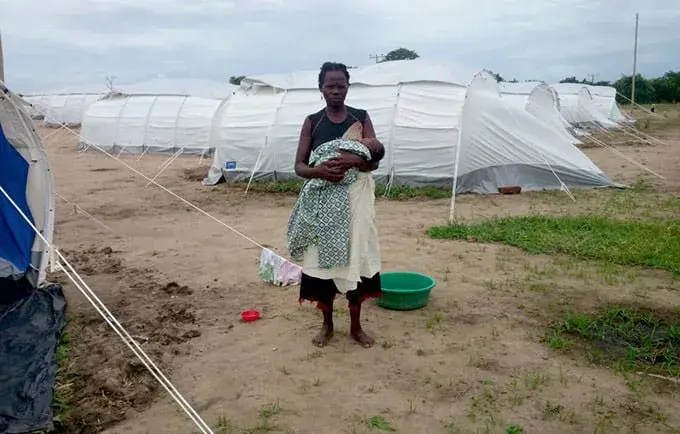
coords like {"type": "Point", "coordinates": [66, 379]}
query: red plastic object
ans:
{"type": "Point", "coordinates": [250, 315]}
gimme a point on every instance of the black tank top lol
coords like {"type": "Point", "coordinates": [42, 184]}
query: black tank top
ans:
{"type": "Point", "coordinates": [324, 130]}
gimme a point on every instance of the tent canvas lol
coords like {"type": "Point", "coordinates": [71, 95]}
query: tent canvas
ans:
{"type": "Point", "coordinates": [578, 108]}
{"type": "Point", "coordinates": [604, 99]}
{"type": "Point", "coordinates": [67, 109]}
{"type": "Point", "coordinates": [150, 124]}
{"type": "Point", "coordinates": [60, 109]}
{"type": "Point", "coordinates": [26, 170]}
{"type": "Point", "coordinates": [405, 114]}
{"type": "Point", "coordinates": [503, 146]}
{"type": "Point", "coordinates": [419, 123]}
{"type": "Point", "coordinates": [63, 106]}
{"type": "Point", "coordinates": [540, 100]}
{"type": "Point", "coordinates": [32, 313]}
{"type": "Point", "coordinates": [200, 88]}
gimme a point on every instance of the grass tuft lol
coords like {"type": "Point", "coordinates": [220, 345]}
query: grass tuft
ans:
{"type": "Point", "coordinates": [394, 193]}
{"type": "Point", "coordinates": [379, 423]}
{"type": "Point", "coordinates": [629, 339]}
{"type": "Point", "coordinates": [62, 390]}
{"type": "Point", "coordinates": [654, 244]}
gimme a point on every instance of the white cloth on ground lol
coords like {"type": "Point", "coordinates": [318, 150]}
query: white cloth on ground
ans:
{"type": "Point", "coordinates": [364, 260]}
{"type": "Point", "coordinates": [277, 270]}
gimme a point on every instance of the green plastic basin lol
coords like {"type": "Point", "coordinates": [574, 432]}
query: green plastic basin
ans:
{"type": "Point", "coordinates": [405, 290]}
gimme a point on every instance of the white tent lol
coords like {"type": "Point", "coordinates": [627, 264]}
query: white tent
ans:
{"type": "Point", "coordinates": [25, 176]}
{"type": "Point", "coordinates": [604, 99]}
{"type": "Point", "coordinates": [147, 123]}
{"type": "Point", "coordinates": [540, 100]}
{"type": "Point", "coordinates": [60, 108]}
{"type": "Point", "coordinates": [502, 145]}
{"type": "Point", "coordinates": [67, 109]}
{"type": "Point", "coordinates": [414, 106]}
{"type": "Point", "coordinates": [381, 74]}
{"type": "Point", "coordinates": [37, 105]}
{"type": "Point", "coordinates": [178, 86]}
{"type": "Point", "coordinates": [578, 108]}
{"type": "Point", "coordinates": [417, 115]}
{"type": "Point", "coordinates": [63, 106]}
{"type": "Point", "coordinates": [156, 116]}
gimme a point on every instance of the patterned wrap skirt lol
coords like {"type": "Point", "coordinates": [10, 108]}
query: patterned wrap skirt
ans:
{"type": "Point", "coordinates": [360, 279]}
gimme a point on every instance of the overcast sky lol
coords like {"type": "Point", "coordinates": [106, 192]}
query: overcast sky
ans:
{"type": "Point", "coordinates": [56, 43]}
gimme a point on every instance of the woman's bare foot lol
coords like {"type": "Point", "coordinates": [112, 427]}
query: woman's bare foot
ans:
{"type": "Point", "coordinates": [362, 338]}
{"type": "Point", "coordinates": [324, 336]}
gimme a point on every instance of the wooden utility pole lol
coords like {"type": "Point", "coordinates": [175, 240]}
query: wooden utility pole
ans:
{"type": "Point", "coordinates": [632, 89]}
{"type": "Point", "coordinates": [2, 61]}
{"type": "Point", "coordinates": [377, 57]}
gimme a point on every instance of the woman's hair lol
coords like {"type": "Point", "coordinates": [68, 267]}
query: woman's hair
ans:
{"type": "Point", "coordinates": [332, 66]}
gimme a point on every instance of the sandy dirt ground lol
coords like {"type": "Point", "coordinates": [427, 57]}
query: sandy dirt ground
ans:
{"type": "Point", "coordinates": [473, 360]}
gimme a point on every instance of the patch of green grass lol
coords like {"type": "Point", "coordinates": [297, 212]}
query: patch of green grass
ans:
{"type": "Point", "coordinates": [653, 244]}
{"type": "Point", "coordinates": [379, 423]}
{"type": "Point", "coordinates": [394, 192]}
{"type": "Point", "coordinates": [405, 192]}
{"type": "Point", "coordinates": [629, 339]}
{"type": "Point", "coordinates": [265, 424]}
{"type": "Point", "coordinates": [224, 426]}
{"type": "Point", "coordinates": [62, 392]}
{"type": "Point", "coordinates": [641, 201]}
{"type": "Point", "coordinates": [62, 389]}
{"type": "Point", "coordinates": [434, 321]}
{"type": "Point", "coordinates": [514, 429]}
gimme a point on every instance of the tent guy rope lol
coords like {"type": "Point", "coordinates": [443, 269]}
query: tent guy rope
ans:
{"type": "Point", "coordinates": [170, 192]}
{"type": "Point", "coordinates": [165, 165]}
{"type": "Point", "coordinates": [637, 105]}
{"type": "Point", "coordinates": [111, 320]}
{"type": "Point", "coordinates": [624, 156]}
{"type": "Point", "coordinates": [87, 214]}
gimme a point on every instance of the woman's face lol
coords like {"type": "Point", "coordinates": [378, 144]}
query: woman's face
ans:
{"type": "Point", "coordinates": [334, 88]}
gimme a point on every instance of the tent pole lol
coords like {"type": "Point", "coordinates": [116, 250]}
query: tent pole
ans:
{"type": "Point", "coordinates": [2, 61]}
{"type": "Point", "coordinates": [455, 168]}
{"type": "Point", "coordinates": [632, 90]}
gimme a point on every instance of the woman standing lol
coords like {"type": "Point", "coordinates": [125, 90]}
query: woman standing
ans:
{"type": "Point", "coordinates": [360, 279]}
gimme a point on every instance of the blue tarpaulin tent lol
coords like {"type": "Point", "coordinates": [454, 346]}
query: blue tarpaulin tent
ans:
{"type": "Point", "coordinates": [16, 234]}
{"type": "Point", "coordinates": [32, 311]}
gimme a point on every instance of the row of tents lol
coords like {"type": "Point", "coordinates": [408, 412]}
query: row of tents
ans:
{"type": "Point", "coordinates": [435, 120]}
{"type": "Point", "coordinates": [439, 126]}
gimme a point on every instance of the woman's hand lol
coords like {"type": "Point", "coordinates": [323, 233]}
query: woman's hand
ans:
{"type": "Point", "coordinates": [346, 161]}
{"type": "Point", "coordinates": [329, 172]}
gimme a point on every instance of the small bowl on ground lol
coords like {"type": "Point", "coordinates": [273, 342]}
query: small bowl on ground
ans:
{"type": "Point", "coordinates": [405, 290]}
{"type": "Point", "coordinates": [250, 315]}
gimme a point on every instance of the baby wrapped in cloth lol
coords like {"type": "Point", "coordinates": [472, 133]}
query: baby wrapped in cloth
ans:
{"type": "Point", "coordinates": [332, 229]}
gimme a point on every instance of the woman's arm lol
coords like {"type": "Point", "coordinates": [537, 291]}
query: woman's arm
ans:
{"type": "Point", "coordinates": [304, 150]}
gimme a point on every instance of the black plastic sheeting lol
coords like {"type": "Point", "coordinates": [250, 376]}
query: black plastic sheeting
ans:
{"type": "Point", "coordinates": [31, 322]}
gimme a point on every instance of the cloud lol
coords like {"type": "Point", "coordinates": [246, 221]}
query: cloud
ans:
{"type": "Point", "coordinates": [66, 42]}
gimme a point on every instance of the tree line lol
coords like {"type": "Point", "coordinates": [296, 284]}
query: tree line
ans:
{"type": "Point", "coordinates": [664, 89]}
